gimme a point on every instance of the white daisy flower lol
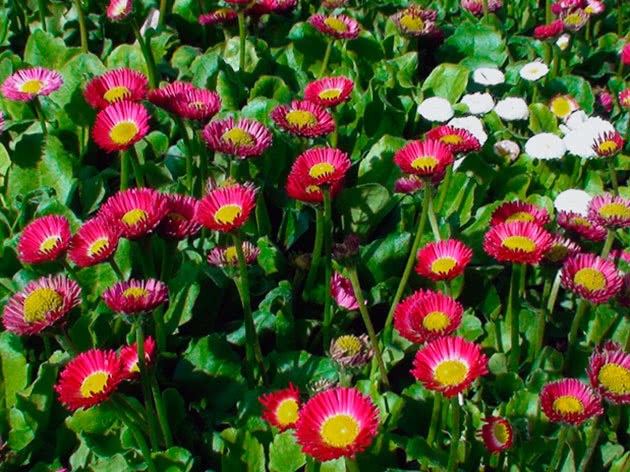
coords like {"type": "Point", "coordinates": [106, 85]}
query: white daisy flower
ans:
{"type": "Point", "coordinates": [473, 125]}
{"type": "Point", "coordinates": [436, 109]}
{"type": "Point", "coordinates": [545, 146]}
{"type": "Point", "coordinates": [488, 76]}
{"type": "Point", "coordinates": [574, 200]}
{"type": "Point", "coordinates": [574, 121]}
{"type": "Point", "coordinates": [579, 140]}
{"type": "Point", "coordinates": [512, 108]}
{"type": "Point", "coordinates": [534, 71]}
{"type": "Point", "coordinates": [563, 41]}
{"type": "Point", "coordinates": [478, 103]}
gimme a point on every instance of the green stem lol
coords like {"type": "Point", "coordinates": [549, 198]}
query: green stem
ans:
{"type": "Point", "coordinates": [326, 58]}
{"type": "Point", "coordinates": [592, 442]}
{"type": "Point", "coordinates": [557, 455]}
{"type": "Point", "coordinates": [548, 12]}
{"type": "Point", "coordinates": [485, 11]}
{"type": "Point", "coordinates": [334, 136]}
{"type": "Point", "coordinates": [253, 351]}
{"type": "Point", "coordinates": [242, 33]}
{"type": "Point", "coordinates": [587, 31]}
{"type": "Point", "coordinates": [146, 388]}
{"type": "Point", "coordinates": [203, 165]}
{"type": "Point", "coordinates": [152, 71]}
{"type": "Point", "coordinates": [387, 330]}
{"type": "Point", "coordinates": [317, 250]}
{"type": "Point", "coordinates": [124, 170]}
{"type": "Point", "coordinates": [613, 175]}
{"type": "Point", "coordinates": [577, 319]}
{"type": "Point", "coordinates": [356, 287]}
{"type": "Point", "coordinates": [123, 404]}
{"type": "Point", "coordinates": [139, 438]}
{"type": "Point", "coordinates": [82, 27]}
{"type": "Point", "coordinates": [41, 6]}
{"type": "Point", "coordinates": [610, 238]}
{"type": "Point", "coordinates": [455, 434]}
{"type": "Point", "coordinates": [542, 318]}
{"type": "Point", "coordinates": [66, 343]}
{"type": "Point", "coordinates": [135, 165]}
{"type": "Point", "coordinates": [556, 62]}
{"type": "Point", "coordinates": [39, 113]}
{"type": "Point", "coordinates": [47, 349]}
{"type": "Point", "coordinates": [326, 328]}
{"type": "Point", "coordinates": [435, 418]}
{"type": "Point", "coordinates": [161, 412]}
{"type": "Point", "coordinates": [351, 465]}
{"type": "Point", "coordinates": [189, 153]}
{"type": "Point", "coordinates": [433, 221]}
{"type": "Point", "coordinates": [620, 70]}
{"type": "Point", "coordinates": [513, 315]}
{"type": "Point", "coordinates": [162, 12]}
{"type": "Point", "coordinates": [553, 296]}
{"type": "Point", "coordinates": [619, 18]}
{"type": "Point", "coordinates": [116, 268]}
{"type": "Point", "coordinates": [444, 188]}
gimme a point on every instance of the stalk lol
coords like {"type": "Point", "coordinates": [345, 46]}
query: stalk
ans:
{"type": "Point", "coordinates": [116, 268]}
{"type": "Point", "coordinates": [124, 170]}
{"type": "Point", "coordinates": [610, 238]}
{"type": "Point", "coordinates": [485, 11]}
{"type": "Point", "coordinates": [557, 455]}
{"type": "Point", "coordinates": [619, 18]}
{"type": "Point", "coordinates": [626, 346]}
{"type": "Point", "coordinates": [354, 279]}
{"type": "Point", "coordinates": [513, 314]}
{"type": "Point", "coordinates": [82, 28]}
{"type": "Point", "coordinates": [152, 71]}
{"type": "Point", "coordinates": [146, 388]}
{"type": "Point", "coordinates": [455, 434]}
{"type": "Point", "coordinates": [553, 296]}
{"type": "Point", "coordinates": [433, 222]}
{"type": "Point", "coordinates": [548, 12]}
{"type": "Point", "coordinates": [47, 350]}
{"type": "Point", "coordinates": [135, 165]}
{"type": "Point", "coordinates": [592, 442]}
{"type": "Point", "coordinates": [326, 328]}
{"type": "Point", "coordinates": [161, 412]}
{"type": "Point", "coordinates": [317, 250]}
{"type": "Point", "coordinates": [162, 12]}
{"type": "Point", "coordinates": [41, 6]}
{"type": "Point", "coordinates": [203, 165]}
{"type": "Point", "coordinates": [189, 151]}
{"type": "Point", "coordinates": [613, 175]}
{"type": "Point", "coordinates": [435, 418]}
{"type": "Point", "coordinates": [542, 318]}
{"type": "Point", "coordinates": [139, 438]}
{"type": "Point", "coordinates": [242, 33]}
{"type": "Point", "coordinates": [65, 342]}
{"type": "Point", "coordinates": [326, 58]}
{"type": "Point", "coordinates": [39, 113]}
{"type": "Point", "coordinates": [444, 188]}
{"type": "Point", "coordinates": [351, 465]}
{"type": "Point", "coordinates": [575, 326]}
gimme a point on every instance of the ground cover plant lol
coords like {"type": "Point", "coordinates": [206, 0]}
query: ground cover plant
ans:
{"type": "Point", "coordinates": [283, 235]}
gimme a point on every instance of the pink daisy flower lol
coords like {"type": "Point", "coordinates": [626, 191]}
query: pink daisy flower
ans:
{"type": "Point", "coordinates": [120, 125]}
{"type": "Point", "coordinates": [449, 365]}
{"type": "Point", "coordinates": [44, 239]}
{"type": "Point", "coordinates": [408, 184]}
{"type": "Point", "coordinates": [95, 242]}
{"type": "Point", "coordinates": [179, 221]}
{"type": "Point", "coordinates": [458, 140]}
{"type": "Point", "coordinates": [40, 305]}
{"type": "Point", "coordinates": [610, 211]}
{"type": "Point", "coordinates": [337, 26]}
{"type": "Point", "coordinates": [443, 260]}
{"type": "Point", "coordinates": [136, 296]}
{"type": "Point", "coordinates": [609, 143]}
{"type": "Point", "coordinates": [581, 225]}
{"type": "Point", "coordinates": [624, 98]}
{"type": "Point", "coordinates": [424, 158]}
{"type": "Point", "coordinates": [226, 208]}
{"type": "Point", "coordinates": [119, 9]}
{"type": "Point", "coordinates": [476, 6]}
{"type": "Point", "coordinates": [322, 166]}
{"type": "Point", "coordinates": [244, 138]}
{"type": "Point", "coordinates": [228, 257]}
{"type": "Point", "coordinates": [342, 292]}
{"type": "Point", "coordinates": [303, 118]}
{"type": "Point", "coordinates": [281, 408]}
{"type": "Point", "coordinates": [167, 96]}
{"type": "Point", "coordinates": [569, 401]}
{"type": "Point", "coordinates": [221, 15]}
{"type": "Point", "coordinates": [549, 31]}
{"type": "Point", "coordinates": [625, 54]}
{"type": "Point", "coordinates": [415, 20]}
{"type": "Point", "coordinates": [561, 249]}
{"type": "Point", "coordinates": [129, 358]}
{"type": "Point", "coordinates": [519, 211]}
{"type": "Point", "coordinates": [496, 433]}
{"type": "Point", "coordinates": [591, 277]}
{"type": "Point", "coordinates": [517, 241]}
{"type": "Point", "coordinates": [329, 91]}
{"type": "Point", "coordinates": [301, 187]}
{"type": "Point", "coordinates": [26, 84]}
{"type": "Point", "coordinates": [197, 104]}
{"type": "Point", "coordinates": [609, 373]}
{"type": "Point", "coordinates": [116, 85]}
{"type": "Point", "coordinates": [606, 101]}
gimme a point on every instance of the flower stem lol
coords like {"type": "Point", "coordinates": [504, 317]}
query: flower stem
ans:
{"type": "Point", "coordinates": [146, 388]}
{"type": "Point", "coordinates": [553, 296]}
{"type": "Point", "coordinates": [626, 347]}
{"type": "Point", "coordinates": [116, 268]}
{"type": "Point", "coordinates": [613, 175]}
{"type": "Point", "coordinates": [619, 18]}
{"type": "Point", "coordinates": [189, 154]}
{"type": "Point", "coordinates": [162, 12]}
{"type": "Point", "coordinates": [326, 58]}
{"type": "Point", "coordinates": [557, 455]}
{"type": "Point", "coordinates": [39, 113]}
{"type": "Point", "coordinates": [252, 348]}
{"type": "Point", "coordinates": [444, 188]}
{"type": "Point", "coordinates": [542, 318]}
{"type": "Point", "coordinates": [485, 11]}
{"type": "Point", "coordinates": [203, 165]}
{"type": "Point", "coordinates": [351, 465]}
{"type": "Point", "coordinates": [317, 250]}
{"type": "Point", "coordinates": [242, 33]}
{"type": "Point", "coordinates": [135, 165]}
{"type": "Point", "coordinates": [124, 170]}
{"type": "Point", "coordinates": [326, 328]}
{"type": "Point", "coordinates": [139, 438]}
{"type": "Point", "coordinates": [65, 342]}
{"type": "Point", "coordinates": [82, 28]}
{"type": "Point", "coordinates": [41, 6]}
{"type": "Point", "coordinates": [161, 412]}
{"type": "Point", "coordinates": [513, 315]}
{"type": "Point", "coordinates": [577, 319]}
{"type": "Point", "coordinates": [548, 12]}
{"type": "Point", "coordinates": [387, 330]}
{"type": "Point", "coordinates": [435, 418]}
{"type": "Point", "coordinates": [592, 442]}
{"type": "Point", "coordinates": [610, 238]}
{"type": "Point", "coordinates": [152, 71]}
{"type": "Point", "coordinates": [47, 350]}
{"type": "Point", "coordinates": [356, 286]}
{"type": "Point", "coordinates": [433, 221]}
{"type": "Point", "coordinates": [455, 434]}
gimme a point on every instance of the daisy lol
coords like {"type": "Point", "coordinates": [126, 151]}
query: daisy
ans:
{"type": "Point", "coordinates": [95, 242]}
{"type": "Point", "coordinates": [569, 401]}
{"type": "Point", "coordinates": [116, 85]}
{"type": "Point", "coordinates": [322, 166]}
{"type": "Point", "coordinates": [329, 91]}
{"type": "Point", "coordinates": [519, 211]}
{"type": "Point", "coordinates": [478, 103]}
{"type": "Point", "coordinates": [120, 125]}
{"type": "Point", "coordinates": [473, 125]}
{"type": "Point", "coordinates": [488, 76]}
{"type": "Point", "coordinates": [545, 146]}
{"type": "Point", "coordinates": [496, 433]}
{"type": "Point", "coordinates": [426, 316]}
{"type": "Point", "coordinates": [574, 20]}
{"type": "Point", "coordinates": [582, 135]}
{"type": "Point", "coordinates": [563, 105]}
{"type": "Point", "coordinates": [415, 20]}
{"type": "Point", "coordinates": [449, 365]}
{"type": "Point", "coordinates": [119, 9]}
{"type": "Point", "coordinates": [350, 351]}
{"type": "Point", "coordinates": [624, 98]}
{"type": "Point", "coordinates": [608, 143]}
{"type": "Point", "coordinates": [44, 239]}
{"type": "Point", "coordinates": [591, 277]}
{"type": "Point", "coordinates": [228, 257]}
{"type": "Point", "coordinates": [476, 6]}
{"type": "Point", "coordinates": [167, 96]}
{"type": "Point", "coordinates": [197, 104]}
{"type": "Point", "coordinates": [517, 241]}
{"type": "Point", "coordinates": [549, 31]}
{"type": "Point", "coordinates": [436, 109]}
{"type": "Point", "coordinates": [573, 200]}
{"type": "Point", "coordinates": [221, 15]}
{"type": "Point", "coordinates": [136, 211]}
{"type": "Point", "coordinates": [136, 296]}
{"type": "Point", "coordinates": [244, 138]}
{"type": "Point", "coordinates": [40, 305]}
{"type": "Point", "coordinates": [89, 379]}
{"type": "Point", "coordinates": [303, 118]}
{"type": "Point", "coordinates": [533, 71]}
{"type": "Point", "coordinates": [281, 408]}
{"type": "Point", "coordinates": [226, 208]}
{"type": "Point", "coordinates": [337, 26]}
{"type": "Point", "coordinates": [512, 109]}
{"type": "Point", "coordinates": [581, 225]}
{"type": "Point", "coordinates": [561, 249]}
{"type": "Point", "coordinates": [129, 359]}
{"type": "Point", "coordinates": [423, 158]}
{"type": "Point", "coordinates": [563, 40]}
{"type": "Point", "coordinates": [26, 84]}
{"type": "Point", "coordinates": [609, 373]}
{"type": "Point", "coordinates": [302, 188]}
{"type": "Point", "coordinates": [342, 292]}
{"type": "Point", "coordinates": [610, 211]}
{"type": "Point", "coordinates": [458, 140]}
{"type": "Point", "coordinates": [179, 221]}
{"type": "Point", "coordinates": [336, 423]}
{"type": "Point", "coordinates": [408, 184]}
{"type": "Point", "coordinates": [443, 260]}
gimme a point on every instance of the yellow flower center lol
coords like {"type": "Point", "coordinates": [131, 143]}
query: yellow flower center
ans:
{"type": "Point", "coordinates": [561, 107]}
{"type": "Point", "coordinates": [123, 132]}
{"type": "Point", "coordinates": [581, 222]}
{"type": "Point", "coordinates": [301, 118]}
{"type": "Point", "coordinates": [450, 373]}
{"type": "Point", "coordinates": [135, 292]}
{"type": "Point", "coordinates": [573, 19]}
{"type": "Point", "coordinates": [520, 243]}
{"type": "Point", "coordinates": [222, 12]}
{"type": "Point", "coordinates": [312, 189]}
{"type": "Point", "coordinates": [436, 321]}
{"type": "Point", "coordinates": [231, 254]}
{"type": "Point", "coordinates": [608, 146]}
{"type": "Point", "coordinates": [134, 216]}
{"type": "Point", "coordinates": [31, 86]}
{"type": "Point", "coordinates": [227, 214]}
{"type": "Point", "coordinates": [135, 367]}
{"type": "Point", "coordinates": [49, 243]}
{"type": "Point", "coordinates": [97, 246]}
{"type": "Point", "coordinates": [615, 378]}
{"type": "Point", "coordinates": [238, 137]}
{"type": "Point", "coordinates": [340, 430]}
{"type": "Point", "coordinates": [558, 253]}
{"type": "Point", "coordinates": [287, 412]}
{"type": "Point", "coordinates": [500, 432]}
{"type": "Point", "coordinates": [40, 302]}
{"type": "Point", "coordinates": [323, 169]}
{"type": "Point", "coordinates": [520, 216]}
{"type": "Point", "coordinates": [94, 383]}
{"type": "Point", "coordinates": [424, 163]}
{"type": "Point", "coordinates": [351, 345]}
{"type": "Point", "coordinates": [590, 278]}
{"type": "Point", "coordinates": [443, 265]}
{"type": "Point", "coordinates": [614, 210]}
{"type": "Point", "coordinates": [336, 24]}
{"type": "Point", "coordinates": [329, 94]}
{"type": "Point", "coordinates": [412, 23]}
{"type": "Point", "coordinates": [452, 139]}
{"type": "Point", "coordinates": [568, 404]}
{"type": "Point", "coordinates": [116, 93]}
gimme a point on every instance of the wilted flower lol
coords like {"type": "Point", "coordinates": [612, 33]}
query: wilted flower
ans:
{"type": "Point", "coordinates": [351, 351]}
{"type": "Point", "coordinates": [507, 148]}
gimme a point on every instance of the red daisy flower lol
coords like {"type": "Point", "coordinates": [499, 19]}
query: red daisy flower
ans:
{"type": "Point", "coordinates": [336, 423]}
{"type": "Point", "coordinates": [561, 249]}
{"type": "Point", "coordinates": [262, 7]}
{"type": "Point", "coordinates": [281, 408]}
{"type": "Point", "coordinates": [197, 104]}
{"type": "Point", "coordinates": [129, 358]}
{"type": "Point", "coordinates": [609, 211]}
{"type": "Point", "coordinates": [136, 211]}
{"type": "Point", "coordinates": [517, 241]}
{"type": "Point", "coordinates": [167, 96]}
{"type": "Point", "coordinates": [623, 297]}
{"type": "Point", "coordinates": [89, 379]}
{"type": "Point", "coordinates": [609, 143]}
{"type": "Point", "coordinates": [221, 15]}
{"type": "Point", "coordinates": [337, 26]}
{"type": "Point", "coordinates": [519, 211]}
{"type": "Point", "coordinates": [136, 296]}
{"type": "Point", "coordinates": [426, 316]}
{"type": "Point", "coordinates": [40, 304]}
{"type": "Point", "coordinates": [449, 365]}
{"type": "Point", "coordinates": [443, 260]}
{"type": "Point", "coordinates": [120, 125]}
{"type": "Point", "coordinates": [415, 20]}
{"type": "Point", "coordinates": [244, 138]}
{"type": "Point", "coordinates": [44, 239]}
{"type": "Point", "coordinates": [322, 166]}
{"type": "Point", "coordinates": [591, 277]}
{"type": "Point", "coordinates": [569, 401]}
{"type": "Point", "coordinates": [119, 9]}
{"type": "Point", "coordinates": [226, 208]}
{"type": "Point", "coordinates": [95, 242]}
{"type": "Point", "coordinates": [408, 184]}
{"type": "Point", "coordinates": [624, 98]}
{"type": "Point", "coordinates": [179, 221]}
{"type": "Point", "coordinates": [116, 85]}
{"type": "Point", "coordinates": [496, 433]}
{"type": "Point", "coordinates": [342, 292]}
{"type": "Point", "coordinates": [458, 140]}
{"type": "Point", "coordinates": [581, 225]}
{"type": "Point", "coordinates": [329, 91]}
{"type": "Point", "coordinates": [625, 54]}
{"type": "Point", "coordinates": [609, 373]}
{"type": "Point", "coordinates": [300, 187]}
{"type": "Point", "coordinates": [303, 118]}
{"type": "Point", "coordinates": [26, 84]}
{"type": "Point", "coordinates": [424, 158]}
{"type": "Point", "coordinates": [549, 31]}
{"type": "Point", "coordinates": [227, 256]}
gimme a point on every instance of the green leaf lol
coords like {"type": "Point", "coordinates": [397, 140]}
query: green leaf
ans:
{"type": "Point", "coordinates": [175, 459]}
{"type": "Point", "coordinates": [383, 258]}
{"type": "Point", "coordinates": [285, 455]}
{"type": "Point", "coordinates": [447, 81]}
{"type": "Point", "coordinates": [480, 44]}
{"type": "Point", "coordinates": [470, 328]}
{"type": "Point", "coordinates": [578, 88]}
{"type": "Point", "coordinates": [43, 49]}
{"type": "Point", "coordinates": [129, 56]}
{"type": "Point", "coordinates": [363, 207]}
{"type": "Point", "coordinates": [541, 119]}
{"type": "Point", "coordinates": [378, 164]}
{"type": "Point", "coordinates": [15, 367]}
